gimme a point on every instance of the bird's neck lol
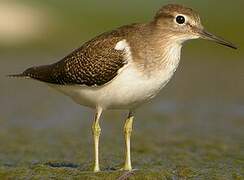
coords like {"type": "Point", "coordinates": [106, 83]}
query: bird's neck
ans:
{"type": "Point", "coordinates": [166, 57]}
{"type": "Point", "coordinates": [162, 52]}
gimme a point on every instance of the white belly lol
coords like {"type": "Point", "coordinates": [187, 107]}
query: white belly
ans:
{"type": "Point", "coordinates": [130, 88]}
{"type": "Point", "coordinates": [127, 91]}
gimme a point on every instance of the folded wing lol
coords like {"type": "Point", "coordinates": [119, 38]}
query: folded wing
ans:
{"type": "Point", "coordinates": [94, 64]}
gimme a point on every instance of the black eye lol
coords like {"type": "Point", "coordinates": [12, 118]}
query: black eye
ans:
{"type": "Point", "coordinates": [180, 19]}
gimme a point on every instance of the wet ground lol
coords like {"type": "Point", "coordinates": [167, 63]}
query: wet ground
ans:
{"type": "Point", "coordinates": [192, 130]}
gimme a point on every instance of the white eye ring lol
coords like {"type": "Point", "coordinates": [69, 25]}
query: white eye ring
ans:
{"type": "Point", "coordinates": [180, 19]}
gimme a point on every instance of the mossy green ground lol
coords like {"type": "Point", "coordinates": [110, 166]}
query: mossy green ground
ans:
{"type": "Point", "coordinates": [193, 130]}
{"type": "Point", "coordinates": [162, 148]}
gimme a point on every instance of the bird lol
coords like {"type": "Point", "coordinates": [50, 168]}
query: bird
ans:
{"type": "Point", "coordinates": [125, 67]}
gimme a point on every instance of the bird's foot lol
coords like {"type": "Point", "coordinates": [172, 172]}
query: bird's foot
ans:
{"type": "Point", "coordinates": [126, 168]}
{"type": "Point", "coordinates": [96, 169]}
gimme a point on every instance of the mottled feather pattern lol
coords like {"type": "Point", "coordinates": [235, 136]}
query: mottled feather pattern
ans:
{"type": "Point", "coordinates": [94, 64]}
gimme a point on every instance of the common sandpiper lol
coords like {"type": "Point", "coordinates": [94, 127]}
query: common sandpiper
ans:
{"type": "Point", "coordinates": [125, 67]}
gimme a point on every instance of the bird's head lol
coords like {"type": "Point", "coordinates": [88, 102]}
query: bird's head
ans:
{"type": "Point", "coordinates": [182, 23]}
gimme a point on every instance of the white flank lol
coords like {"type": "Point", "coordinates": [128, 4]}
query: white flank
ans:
{"type": "Point", "coordinates": [129, 89]}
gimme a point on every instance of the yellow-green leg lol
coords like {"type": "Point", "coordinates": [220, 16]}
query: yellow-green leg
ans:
{"type": "Point", "coordinates": [96, 131]}
{"type": "Point", "coordinates": [127, 134]}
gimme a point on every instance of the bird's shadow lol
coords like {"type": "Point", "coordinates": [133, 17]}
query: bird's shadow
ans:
{"type": "Point", "coordinates": [63, 165]}
{"type": "Point", "coordinates": [124, 175]}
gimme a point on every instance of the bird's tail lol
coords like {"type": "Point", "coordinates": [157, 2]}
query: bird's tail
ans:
{"type": "Point", "coordinates": [22, 75]}
{"type": "Point", "coordinates": [41, 73]}
{"type": "Point", "coordinates": [28, 73]}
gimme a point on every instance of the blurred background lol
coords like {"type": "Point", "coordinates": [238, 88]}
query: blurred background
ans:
{"type": "Point", "coordinates": [198, 118]}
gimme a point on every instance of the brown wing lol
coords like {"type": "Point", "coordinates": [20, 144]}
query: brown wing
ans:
{"type": "Point", "coordinates": [94, 64]}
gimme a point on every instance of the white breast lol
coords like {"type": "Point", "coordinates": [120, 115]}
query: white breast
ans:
{"type": "Point", "coordinates": [129, 89]}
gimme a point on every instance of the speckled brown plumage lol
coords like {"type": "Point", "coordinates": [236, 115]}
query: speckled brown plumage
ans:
{"type": "Point", "coordinates": [95, 63]}
{"type": "Point", "coordinates": [170, 9]}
